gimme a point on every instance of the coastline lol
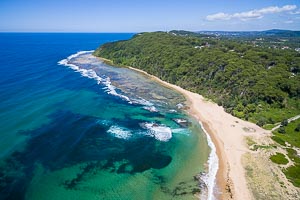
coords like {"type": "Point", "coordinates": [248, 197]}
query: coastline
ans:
{"type": "Point", "coordinates": [221, 179]}
{"type": "Point", "coordinates": [227, 134]}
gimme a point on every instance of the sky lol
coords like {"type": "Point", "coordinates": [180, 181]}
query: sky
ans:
{"type": "Point", "coordinates": [147, 15]}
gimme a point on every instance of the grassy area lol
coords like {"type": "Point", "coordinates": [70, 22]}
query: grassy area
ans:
{"type": "Point", "coordinates": [278, 140]}
{"type": "Point", "coordinates": [279, 158]}
{"type": "Point", "coordinates": [254, 146]}
{"type": "Point", "coordinates": [291, 135]}
{"type": "Point", "coordinates": [293, 174]}
{"type": "Point", "coordinates": [292, 154]}
{"type": "Point", "coordinates": [275, 115]}
{"type": "Point", "coordinates": [269, 126]}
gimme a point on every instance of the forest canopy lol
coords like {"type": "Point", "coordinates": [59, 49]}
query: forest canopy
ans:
{"type": "Point", "coordinates": [252, 82]}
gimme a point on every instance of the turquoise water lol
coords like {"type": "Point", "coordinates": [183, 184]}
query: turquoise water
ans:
{"type": "Point", "coordinates": [76, 128]}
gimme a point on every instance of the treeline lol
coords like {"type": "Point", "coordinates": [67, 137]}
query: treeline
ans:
{"type": "Point", "coordinates": [259, 84]}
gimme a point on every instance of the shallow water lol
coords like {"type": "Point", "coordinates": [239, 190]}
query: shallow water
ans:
{"type": "Point", "coordinates": [82, 129]}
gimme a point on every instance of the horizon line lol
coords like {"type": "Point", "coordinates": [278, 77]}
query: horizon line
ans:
{"type": "Point", "coordinates": [134, 32]}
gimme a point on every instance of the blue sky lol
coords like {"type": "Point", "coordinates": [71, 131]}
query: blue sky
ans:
{"type": "Point", "coordinates": [152, 15]}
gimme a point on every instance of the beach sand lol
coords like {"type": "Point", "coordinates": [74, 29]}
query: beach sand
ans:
{"type": "Point", "coordinates": [228, 134]}
{"type": "Point", "coordinates": [243, 173]}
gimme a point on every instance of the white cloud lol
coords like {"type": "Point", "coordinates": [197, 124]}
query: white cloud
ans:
{"type": "Point", "coordinates": [289, 22]}
{"type": "Point", "coordinates": [218, 16]}
{"type": "Point", "coordinates": [247, 15]}
{"type": "Point", "coordinates": [252, 14]}
{"type": "Point", "coordinates": [276, 9]}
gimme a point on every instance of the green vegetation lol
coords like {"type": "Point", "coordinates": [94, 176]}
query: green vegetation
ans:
{"type": "Point", "coordinates": [256, 147]}
{"type": "Point", "coordinates": [253, 79]}
{"type": "Point", "coordinates": [293, 172]}
{"type": "Point", "coordinates": [279, 158]}
{"type": "Point", "coordinates": [292, 154]}
{"type": "Point", "coordinates": [269, 126]}
{"type": "Point", "coordinates": [278, 140]}
{"type": "Point", "coordinates": [270, 38]}
{"type": "Point", "coordinates": [297, 129]}
{"type": "Point", "coordinates": [290, 135]}
{"type": "Point", "coordinates": [252, 82]}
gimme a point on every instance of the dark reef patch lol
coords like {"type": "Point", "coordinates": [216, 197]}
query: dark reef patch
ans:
{"type": "Point", "coordinates": [71, 139]}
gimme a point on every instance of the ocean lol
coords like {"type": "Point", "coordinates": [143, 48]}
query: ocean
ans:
{"type": "Point", "coordinates": [73, 127]}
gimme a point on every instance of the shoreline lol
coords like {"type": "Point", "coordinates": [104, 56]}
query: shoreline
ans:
{"type": "Point", "coordinates": [227, 134]}
{"type": "Point", "coordinates": [218, 180]}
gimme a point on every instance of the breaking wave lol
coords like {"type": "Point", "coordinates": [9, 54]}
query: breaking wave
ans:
{"type": "Point", "coordinates": [108, 87]}
{"type": "Point", "coordinates": [90, 73]}
{"type": "Point", "coordinates": [120, 132]}
{"type": "Point", "coordinates": [159, 132]}
{"type": "Point", "coordinates": [213, 166]}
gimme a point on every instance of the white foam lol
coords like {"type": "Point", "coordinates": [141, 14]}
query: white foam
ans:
{"type": "Point", "coordinates": [159, 132]}
{"type": "Point", "coordinates": [84, 72]}
{"type": "Point", "coordinates": [142, 102]}
{"type": "Point", "coordinates": [65, 61]}
{"type": "Point", "coordinates": [119, 132]}
{"type": "Point", "coordinates": [213, 166]}
{"type": "Point", "coordinates": [150, 108]}
{"type": "Point", "coordinates": [104, 122]}
{"type": "Point", "coordinates": [110, 89]}
{"type": "Point", "coordinates": [147, 104]}
{"type": "Point", "coordinates": [180, 120]}
{"type": "Point", "coordinates": [90, 73]}
{"type": "Point", "coordinates": [180, 106]}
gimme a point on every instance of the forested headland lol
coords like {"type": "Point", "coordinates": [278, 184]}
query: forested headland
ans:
{"type": "Point", "coordinates": [253, 82]}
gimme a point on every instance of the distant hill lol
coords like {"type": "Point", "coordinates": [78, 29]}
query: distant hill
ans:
{"type": "Point", "coordinates": [253, 82]}
{"type": "Point", "coordinates": [188, 33]}
{"type": "Point", "coordinates": [267, 33]}
{"type": "Point", "coordinates": [274, 38]}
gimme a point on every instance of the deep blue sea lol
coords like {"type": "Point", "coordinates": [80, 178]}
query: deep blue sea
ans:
{"type": "Point", "coordinates": [72, 127]}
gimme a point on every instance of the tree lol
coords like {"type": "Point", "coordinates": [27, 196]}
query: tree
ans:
{"type": "Point", "coordinates": [249, 82]}
{"type": "Point", "coordinates": [281, 130]}
{"type": "Point", "coordinates": [261, 122]}
{"type": "Point", "coordinates": [285, 122]}
{"type": "Point", "coordinates": [297, 129]}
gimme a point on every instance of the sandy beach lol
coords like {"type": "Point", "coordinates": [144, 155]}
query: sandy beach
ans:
{"type": "Point", "coordinates": [228, 134]}
{"type": "Point", "coordinates": [243, 173]}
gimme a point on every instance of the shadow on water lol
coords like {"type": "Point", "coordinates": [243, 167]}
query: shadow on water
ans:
{"type": "Point", "coordinates": [71, 139]}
